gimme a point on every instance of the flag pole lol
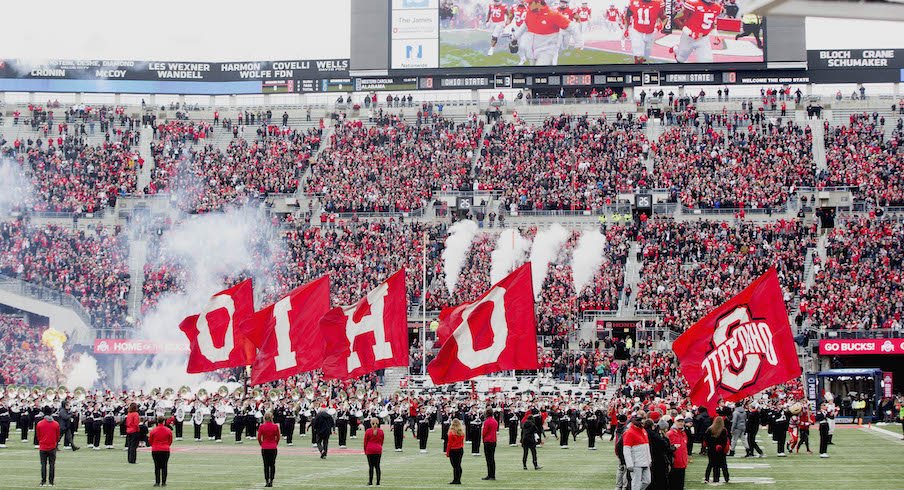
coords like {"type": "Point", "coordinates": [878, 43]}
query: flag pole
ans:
{"type": "Point", "coordinates": [424, 306]}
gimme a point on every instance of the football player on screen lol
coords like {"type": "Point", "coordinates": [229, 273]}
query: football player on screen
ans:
{"type": "Point", "coordinates": [539, 36]}
{"type": "Point", "coordinates": [566, 11]}
{"type": "Point", "coordinates": [699, 20]}
{"type": "Point", "coordinates": [497, 17]}
{"type": "Point", "coordinates": [641, 17]}
{"type": "Point", "coordinates": [519, 14]}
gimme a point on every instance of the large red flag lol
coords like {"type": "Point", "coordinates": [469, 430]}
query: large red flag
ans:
{"type": "Point", "coordinates": [741, 348]}
{"type": "Point", "coordinates": [287, 333]}
{"type": "Point", "coordinates": [216, 341]}
{"type": "Point", "coordinates": [370, 335]}
{"type": "Point", "coordinates": [495, 333]}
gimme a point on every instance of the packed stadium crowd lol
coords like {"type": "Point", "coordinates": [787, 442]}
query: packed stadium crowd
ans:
{"type": "Point", "coordinates": [24, 360]}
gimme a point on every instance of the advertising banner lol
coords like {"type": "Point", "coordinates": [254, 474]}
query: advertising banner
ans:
{"type": "Point", "coordinates": [849, 347]}
{"type": "Point", "coordinates": [135, 346]}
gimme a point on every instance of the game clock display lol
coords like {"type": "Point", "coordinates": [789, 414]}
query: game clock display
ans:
{"type": "Point", "coordinates": [577, 80]}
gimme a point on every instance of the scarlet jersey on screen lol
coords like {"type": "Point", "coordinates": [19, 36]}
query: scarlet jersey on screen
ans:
{"type": "Point", "coordinates": [566, 12]}
{"type": "Point", "coordinates": [612, 14]}
{"type": "Point", "coordinates": [701, 17]}
{"type": "Point", "coordinates": [741, 348]}
{"type": "Point", "coordinates": [645, 14]}
{"type": "Point", "coordinates": [497, 12]}
{"type": "Point", "coordinates": [583, 14]}
{"type": "Point", "coordinates": [546, 21]}
{"type": "Point", "coordinates": [519, 13]}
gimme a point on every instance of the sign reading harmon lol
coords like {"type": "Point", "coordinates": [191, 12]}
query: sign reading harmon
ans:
{"type": "Point", "coordinates": [172, 70]}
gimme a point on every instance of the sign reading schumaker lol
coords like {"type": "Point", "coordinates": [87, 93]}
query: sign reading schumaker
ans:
{"type": "Point", "coordinates": [854, 59]}
{"type": "Point", "coordinates": [172, 70]}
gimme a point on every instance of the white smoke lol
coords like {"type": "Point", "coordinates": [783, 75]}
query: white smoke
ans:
{"type": "Point", "coordinates": [587, 258]}
{"type": "Point", "coordinates": [511, 250]}
{"type": "Point", "coordinates": [208, 247]}
{"type": "Point", "coordinates": [15, 188]}
{"type": "Point", "coordinates": [546, 246]}
{"type": "Point", "coordinates": [83, 372]}
{"type": "Point", "coordinates": [458, 243]}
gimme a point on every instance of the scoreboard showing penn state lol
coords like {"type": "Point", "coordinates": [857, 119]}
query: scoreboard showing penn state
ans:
{"type": "Point", "coordinates": [441, 34]}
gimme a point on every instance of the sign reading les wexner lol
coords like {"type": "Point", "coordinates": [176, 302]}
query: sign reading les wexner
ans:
{"type": "Point", "coordinates": [848, 347]}
{"type": "Point", "coordinates": [132, 346]}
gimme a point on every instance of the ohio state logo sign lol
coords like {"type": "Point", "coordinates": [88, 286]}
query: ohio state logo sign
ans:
{"type": "Point", "coordinates": [739, 346]}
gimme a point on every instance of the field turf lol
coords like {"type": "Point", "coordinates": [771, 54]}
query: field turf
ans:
{"type": "Point", "coordinates": [468, 48]}
{"type": "Point", "coordinates": [860, 459]}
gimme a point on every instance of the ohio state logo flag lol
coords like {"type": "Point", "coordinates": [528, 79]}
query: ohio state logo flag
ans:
{"type": "Point", "coordinates": [741, 348]}
{"type": "Point", "coordinates": [288, 333]}
{"type": "Point", "coordinates": [214, 337]}
{"type": "Point", "coordinates": [367, 336]}
{"type": "Point", "coordinates": [497, 332]}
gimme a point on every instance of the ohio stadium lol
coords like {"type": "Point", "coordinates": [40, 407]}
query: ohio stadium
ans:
{"type": "Point", "coordinates": [510, 244]}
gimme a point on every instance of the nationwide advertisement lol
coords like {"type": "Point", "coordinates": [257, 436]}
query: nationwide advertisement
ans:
{"type": "Point", "coordinates": [493, 33]}
{"type": "Point", "coordinates": [852, 347]}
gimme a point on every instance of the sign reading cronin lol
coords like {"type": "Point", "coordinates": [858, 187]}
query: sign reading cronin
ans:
{"type": "Point", "coordinates": [850, 347]}
{"type": "Point", "coordinates": [140, 347]}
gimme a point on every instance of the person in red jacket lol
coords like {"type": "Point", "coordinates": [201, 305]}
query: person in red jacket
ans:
{"type": "Point", "coordinates": [268, 436]}
{"type": "Point", "coordinates": [133, 421]}
{"type": "Point", "coordinates": [455, 449]}
{"type": "Point", "coordinates": [678, 440]}
{"type": "Point", "coordinates": [373, 449]}
{"type": "Point", "coordinates": [160, 439]}
{"type": "Point", "coordinates": [48, 434]}
{"type": "Point", "coordinates": [490, 427]}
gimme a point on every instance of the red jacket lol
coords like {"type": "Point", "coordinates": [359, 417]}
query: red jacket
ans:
{"type": "Point", "coordinates": [132, 422]}
{"type": "Point", "coordinates": [373, 441]}
{"type": "Point", "coordinates": [455, 442]}
{"type": "Point", "coordinates": [48, 432]}
{"type": "Point", "coordinates": [678, 438]}
{"type": "Point", "coordinates": [268, 435]}
{"type": "Point", "coordinates": [490, 426]}
{"type": "Point", "coordinates": [160, 438]}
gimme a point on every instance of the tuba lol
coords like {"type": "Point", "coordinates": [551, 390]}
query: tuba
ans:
{"type": "Point", "coordinates": [295, 394]}
{"type": "Point", "coordinates": [223, 391]}
{"type": "Point", "coordinates": [343, 396]}
{"type": "Point", "coordinates": [185, 393]}
{"type": "Point", "coordinates": [274, 395]}
{"type": "Point", "coordinates": [309, 393]}
{"type": "Point", "coordinates": [50, 393]}
{"type": "Point", "coordinates": [154, 392]}
{"type": "Point", "coordinates": [202, 394]}
{"type": "Point", "coordinates": [169, 393]}
{"type": "Point", "coordinates": [257, 394]}
{"type": "Point", "coordinates": [79, 394]}
{"type": "Point", "coordinates": [12, 391]}
{"type": "Point", "coordinates": [62, 392]}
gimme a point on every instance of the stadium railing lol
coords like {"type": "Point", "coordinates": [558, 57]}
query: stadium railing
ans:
{"type": "Point", "coordinates": [45, 294]}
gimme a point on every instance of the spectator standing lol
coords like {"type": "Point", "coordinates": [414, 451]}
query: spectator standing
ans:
{"type": "Point", "coordinates": [268, 436]}
{"type": "Point", "coordinates": [160, 439]}
{"type": "Point", "coordinates": [48, 434]}
{"type": "Point", "coordinates": [373, 449]}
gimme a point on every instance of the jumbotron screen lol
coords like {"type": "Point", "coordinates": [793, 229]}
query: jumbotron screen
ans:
{"type": "Point", "coordinates": [498, 33]}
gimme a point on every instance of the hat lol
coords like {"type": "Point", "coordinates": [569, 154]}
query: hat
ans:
{"type": "Point", "coordinates": [663, 424]}
{"type": "Point", "coordinates": [655, 416]}
{"type": "Point", "coordinates": [622, 418]}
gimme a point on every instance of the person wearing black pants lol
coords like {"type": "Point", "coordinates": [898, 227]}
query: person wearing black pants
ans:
{"type": "Point", "coordinates": [268, 436]}
{"type": "Point", "coordinates": [47, 431]}
{"type": "Point", "coordinates": [132, 432]}
{"type": "Point", "coordinates": [4, 424]}
{"type": "Point", "coordinates": [753, 426]}
{"type": "Point", "coordinates": [717, 446]}
{"type": "Point", "coordinates": [398, 431]}
{"type": "Point", "coordinates": [456, 450]}
{"type": "Point", "coordinates": [342, 427]}
{"type": "Point", "coordinates": [289, 424]}
{"type": "Point", "coordinates": [423, 431]}
{"type": "Point", "coordinates": [513, 429]}
{"type": "Point", "coordinates": [780, 431]}
{"type": "Point", "coordinates": [488, 434]}
{"type": "Point", "coordinates": [160, 438]}
{"type": "Point", "coordinates": [323, 426]}
{"type": "Point", "coordinates": [822, 419]}
{"type": "Point", "coordinates": [109, 429]}
{"type": "Point", "coordinates": [529, 438]}
{"type": "Point", "coordinates": [373, 448]}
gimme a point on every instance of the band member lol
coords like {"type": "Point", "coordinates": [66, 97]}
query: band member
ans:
{"type": "Point", "coordinates": [218, 421]}
{"type": "Point", "coordinates": [803, 427]}
{"type": "Point", "coordinates": [238, 425]}
{"type": "Point", "coordinates": [323, 427]}
{"type": "Point", "coordinates": [398, 431]}
{"type": "Point", "coordinates": [353, 421]}
{"type": "Point", "coordinates": [423, 430]}
{"type": "Point", "coordinates": [160, 438]}
{"type": "Point", "coordinates": [289, 426]}
{"type": "Point", "coordinates": [4, 424]}
{"type": "Point", "coordinates": [268, 436]}
{"type": "Point", "coordinates": [475, 425]}
{"type": "Point", "coordinates": [444, 429]}
{"type": "Point", "coordinates": [822, 418]}
{"type": "Point", "coordinates": [132, 432]}
{"type": "Point", "coordinates": [97, 423]}
{"type": "Point", "coordinates": [701, 21]}
{"type": "Point", "coordinates": [641, 17]}
{"type": "Point", "coordinates": [342, 426]}
{"type": "Point", "coordinates": [373, 449]}
{"type": "Point", "coordinates": [48, 434]}
{"type": "Point", "coordinates": [197, 419]}
{"type": "Point", "coordinates": [513, 422]}
{"type": "Point", "coordinates": [780, 430]}
{"type": "Point", "coordinates": [109, 427]}
{"type": "Point", "coordinates": [179, 418]}
{"type": "Point", "coordinates": [488, 434]}
{"type": "Point", "coordinates": [456, 449]}
{"type": "Point", "coordinates": [591, 424]}
{"type": "Point", "coordinates": [564, 428]}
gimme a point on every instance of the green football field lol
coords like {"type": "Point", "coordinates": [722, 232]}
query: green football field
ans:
{"type": "Point", "coordinates": [467, 48]}
{"type": "Point", "coordinates": [860, 459]}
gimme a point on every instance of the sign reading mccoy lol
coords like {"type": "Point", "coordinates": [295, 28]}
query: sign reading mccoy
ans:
{"type": "Point", "coordinates": [849, 347]}
{"type": "Point", "coordinates": [854, 59]}
{"type": "Point", "coordinates": [132, 346]}
{"type": "Point", "coordinates": [172, 70]}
